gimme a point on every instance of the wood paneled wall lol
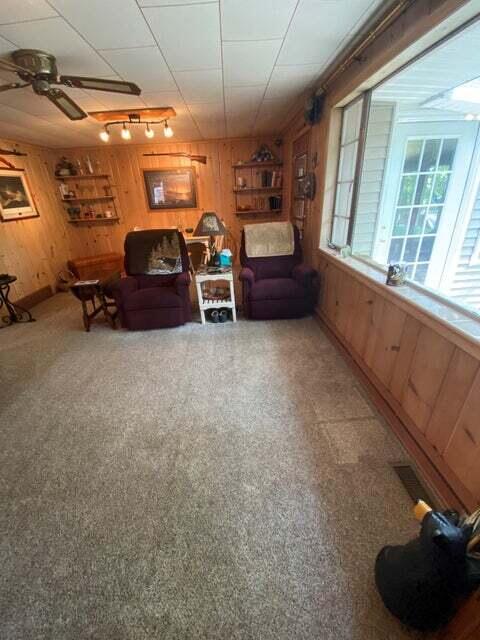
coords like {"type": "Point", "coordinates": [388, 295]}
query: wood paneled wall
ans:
{"type": "Point", "coordinates": [36, 249]}
{"type": "Point", "coordinates": [126, 162]}
{"type": "Point", "coordinates": [429, 376]}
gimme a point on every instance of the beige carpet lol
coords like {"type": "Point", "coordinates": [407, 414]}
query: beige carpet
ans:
{"type": "Point", "coordinates": [206, 482]}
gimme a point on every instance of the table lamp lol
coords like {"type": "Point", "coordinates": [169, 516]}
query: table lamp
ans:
{"type": "Point", "coordinates": [210, 225]}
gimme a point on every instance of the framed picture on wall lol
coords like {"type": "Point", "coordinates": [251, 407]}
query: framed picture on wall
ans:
{"type": "Point", "coordinates": [16, 201]}
{"type": "Point", "coordinates": [171, 188]}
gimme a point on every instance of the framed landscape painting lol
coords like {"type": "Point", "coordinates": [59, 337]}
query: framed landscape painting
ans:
{"type": "Point", "coordinates": [171, 188]}
{"type": "Point", "coordinates": [16, 201]}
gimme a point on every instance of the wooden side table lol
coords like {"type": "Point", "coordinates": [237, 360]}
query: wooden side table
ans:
{"type": "Point", "coordinates": [93, 291]}
{"type": "Point", "coordinates": [205, 304]}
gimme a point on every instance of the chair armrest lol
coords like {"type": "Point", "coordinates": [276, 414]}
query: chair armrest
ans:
{"type": "Point", "coordinates": [303, 274]}
{"type": "Point", "coordinates": [247, 275]}
{"type": "Point", "coordinates": [182, 280]}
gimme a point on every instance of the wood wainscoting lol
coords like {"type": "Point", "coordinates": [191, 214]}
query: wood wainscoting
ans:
{"type": "Point", "coordinates": [426, 374]}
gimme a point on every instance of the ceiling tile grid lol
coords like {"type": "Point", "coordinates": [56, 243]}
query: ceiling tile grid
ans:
{"type": "Point", "coordinates": [228, 67]}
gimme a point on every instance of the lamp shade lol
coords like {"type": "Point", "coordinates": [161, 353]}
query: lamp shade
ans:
{"type": "Point", "coordinates": [210, 225]}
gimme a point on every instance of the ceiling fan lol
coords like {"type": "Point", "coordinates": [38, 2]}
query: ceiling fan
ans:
{"type": "Point", "coordinates": [39, 69]}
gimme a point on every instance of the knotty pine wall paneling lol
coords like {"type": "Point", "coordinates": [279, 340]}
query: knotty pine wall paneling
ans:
{"type": "Point", "coordinates": [428, 374]}
{"type": "Point", "coordinates": [126, 162]}
{"type": "Point", "coordinates": [35, 249]}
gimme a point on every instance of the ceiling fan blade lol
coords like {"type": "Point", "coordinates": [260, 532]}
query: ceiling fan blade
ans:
{"type": "Point", "coordinates": [66, 104]}
{"type": "Point", "coordinates": [13, 85]}
{"type": "Point", "coordinates": [6, 65]}
{"type": "Point", "coordinates": [101, 84]}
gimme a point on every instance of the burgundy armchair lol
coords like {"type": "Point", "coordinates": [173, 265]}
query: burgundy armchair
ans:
{"type": "Point", "coordinates": [155, 293]}
{"type": "Point", "coordinates": [277, 287]}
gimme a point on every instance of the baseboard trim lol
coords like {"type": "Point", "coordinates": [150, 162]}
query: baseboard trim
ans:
{"type": "Point", "coordinates": [27, 302]}
{"type": "Point", "coordinates": [446, 494]}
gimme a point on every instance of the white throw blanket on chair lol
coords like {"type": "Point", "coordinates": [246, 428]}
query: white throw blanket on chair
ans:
{"type": "Point", "coordinates": [269, 239]}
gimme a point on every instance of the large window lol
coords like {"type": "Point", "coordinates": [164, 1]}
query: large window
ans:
{"type": "Point", "coordinates": [408, 182]}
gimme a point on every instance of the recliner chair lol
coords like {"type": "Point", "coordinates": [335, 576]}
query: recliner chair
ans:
{"type": "Point", "coordinates": [155, 292]}
{"type": "Point", "coordinates": [277, 286]}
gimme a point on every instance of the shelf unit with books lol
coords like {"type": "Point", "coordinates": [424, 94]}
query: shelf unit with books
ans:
{"type": "Point", "coordinates": [258, 187]}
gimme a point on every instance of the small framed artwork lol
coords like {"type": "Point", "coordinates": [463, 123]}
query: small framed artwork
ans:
{"type": "Point", "coordinates": [171, 188]}
{"type": "Point", "coordinates": [16, 202]}
{"type": "Point", "coordinates": [301, 165]}
{"type": "Point", "coordinates": [299, 209]}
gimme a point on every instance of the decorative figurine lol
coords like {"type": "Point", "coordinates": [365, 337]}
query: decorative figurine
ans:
{"type": "Point", "coordinates": [263, 155]}
{"type": "Point", "coordinates": [396, 275]}
{"type": "Point", "coordinates": [65, 168]}
{"type": "Point", "coordinates": [88, 165]}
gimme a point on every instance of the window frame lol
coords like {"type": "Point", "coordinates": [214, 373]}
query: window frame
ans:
{"type": "Point", "coordinates": [365, 98]}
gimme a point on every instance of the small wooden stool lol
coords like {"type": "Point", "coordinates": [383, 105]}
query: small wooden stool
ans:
{"type": "Point", "coordinates": [95, 292]}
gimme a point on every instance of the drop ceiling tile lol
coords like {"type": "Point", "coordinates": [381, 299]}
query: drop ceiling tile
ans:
{"type": "Point", "coordinates": [272, 116]}
{"type": "Point", "coordinates": [88, 102]}
{"type": "Point", "coordinates": [5, 47]}
{"type": "Point", "coordinates": [289, 80]}
{"type": "Point", "coordinates": [254, 20]}
{"type": "Point", "coordinates": [107, 24]}
{"type": "Point", "coordinates": [189, 35]}
{"type": "Point", "coordinates": [183, 121]}
{"type": "Point", "coordinates": [16, 11]}
{"type": "Point", "coordinates": [165, 99]}
{"type": "Point", "coordinates": [213, 131]}
{"type": "Point", "coordinates": [145, 66]}
{"type": "Point", "coordinates": [319, 28]}
{"type": "Point", "coordinates": [239, 100]}
{"type": "Point", "coordinates": [19, 134]}
{"type": "Point", "coordinates": [74, 55]}
{"type": "Point", "coordinates": [240, 126]}
{"type": "Point", "coordinates": [208, 111]}
{"type": "Point", "coordinates": [248, 63]}
{"type": "Point", "coordinates": [26, 101]}
{"type": "Point", "coordinates": [200, 86]}
{"type": "Point", "coordinates": [171, 3]}
{"type": "Point", "coordinates": [116, 100]}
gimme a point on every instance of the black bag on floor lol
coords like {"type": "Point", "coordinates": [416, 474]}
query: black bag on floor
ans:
{"type": "Point", "coordinates": [420, 582]}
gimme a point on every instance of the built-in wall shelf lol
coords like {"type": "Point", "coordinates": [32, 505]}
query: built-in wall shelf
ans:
{"type": "Point", "coordinates": [255, 189]}
{"type": "Point", "coordinates": [90, 220]}
{"type": "Point", "coordinates": [257, 185]}
{"type": "Point", "coordinates": [88, 199]}
{"type": "Point", "coordinates": [83, 177]}
{"type": "Point", "coordinates": [251, 211]}
{"type": "Point", "coordinates": [256, 165]}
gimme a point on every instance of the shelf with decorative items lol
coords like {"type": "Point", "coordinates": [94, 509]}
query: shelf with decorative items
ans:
{"type": "Point", "coordinates": [90, 220]}
{"type": "Point", "coordinates": [83, 177]}
{"type": "Point", "coordinates": [261, 174]}
{"type": "Point", "coordinates": [86, 191]}
{"type": "Point", "coordinates": [256, 211]}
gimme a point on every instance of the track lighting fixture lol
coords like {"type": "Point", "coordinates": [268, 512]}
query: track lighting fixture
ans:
{"type": "Point", "coordinates": [134, 119]}
{"type": "Point", "coordinates": [125, 133]}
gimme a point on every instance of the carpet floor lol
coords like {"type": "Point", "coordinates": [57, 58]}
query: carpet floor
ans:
{"type": "Point", "coordinates": [206, 482]}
